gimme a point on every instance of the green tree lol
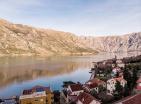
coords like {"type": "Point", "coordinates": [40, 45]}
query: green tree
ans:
{"type": "Point", "coordinates": [101, 88]}
{"type": "Point", "coordinates": [118, 90]}
{"type": "Point", "coordinates": [93, 93]}
{"type": "Point", "coordinates": [127, 76]}
{"type": "Point", "coordinates": [126, 91]}
{"type": "Point", "coordinates": [134, 77]}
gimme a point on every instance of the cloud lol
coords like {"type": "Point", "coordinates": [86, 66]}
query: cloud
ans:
{"type": "Point", "coordinates": [15, 8]}
{"type": "Point", "coordinates": [77, 16]}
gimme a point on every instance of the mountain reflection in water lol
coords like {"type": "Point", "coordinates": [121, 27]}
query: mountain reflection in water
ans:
{"type": "Point", "coordinates": [18, 73]}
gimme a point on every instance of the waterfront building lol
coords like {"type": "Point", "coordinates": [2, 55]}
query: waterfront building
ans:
{"type": "Point", "coordinates": [37, 95]}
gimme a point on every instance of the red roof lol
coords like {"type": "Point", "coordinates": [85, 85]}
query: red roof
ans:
{"type": "Point", "coordinates": [76, 87]}
{"type": "Point", "coordinates": [136, 99]}
{"type": "Point", "coordinates": [96, 80]}
{"type": "Point", "coordinates": [27, 92]}
{"type": "Point", "coordinates": [35, 89]}
{"type": "Point", "coordinates": [86, 98]}
{"type": "Point", "coordinates": [72, 98]}
{"type": "Point", "coordinates": [91, 86]}
{"type": "Point", "coordinates": [40, 87]}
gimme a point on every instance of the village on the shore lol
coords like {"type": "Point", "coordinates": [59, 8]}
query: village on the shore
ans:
{"type": "Point", "coordinates": [113, 81]}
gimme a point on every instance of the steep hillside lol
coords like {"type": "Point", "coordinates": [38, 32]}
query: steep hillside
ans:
{"type": "Point", "coordinates": [17, 39]}
{"type": "Point", "coordinates": [128, 42]}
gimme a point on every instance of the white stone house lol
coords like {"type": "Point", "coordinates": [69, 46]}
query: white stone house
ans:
{"type": "Point", "coordinates": [112, 82]}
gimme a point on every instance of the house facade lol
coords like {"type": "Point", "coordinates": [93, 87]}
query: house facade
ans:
{"type": "Point", "coordinates": [112, 82]}
{"type": "Point", "coordinates": [35, 98]}
{"type": "Point", "coordinates": [37, 95]}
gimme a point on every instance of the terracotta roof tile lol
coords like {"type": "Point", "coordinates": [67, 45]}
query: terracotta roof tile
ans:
{"type": "Point", "coordinates": [91, 86]}
{"type": "Point", "coordinates": [86, 98]}
{"type": "Point", "coordinates": [35, 89]}
{"type": "Point", "coordinates": [40, 88]}
{"type": "Point", "coordinates": [96, 80]}
{"type": "Point", "coordinates": [76, 87]}
{"type": "Point", "coordinates": [27, 92]}
{"type": "Point", "coordinates": [136, 99]}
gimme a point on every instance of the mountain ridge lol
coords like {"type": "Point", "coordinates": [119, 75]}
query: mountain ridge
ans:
{"type": "Point", "coordinates": [18, 39]}
{"type": "Point", "coordinates": [123, 43]}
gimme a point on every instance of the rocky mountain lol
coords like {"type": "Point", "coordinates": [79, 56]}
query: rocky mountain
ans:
{"type": "Point", "coordinates": [18, 39]}
{"type": "Point", "coordinates": [128, 42]}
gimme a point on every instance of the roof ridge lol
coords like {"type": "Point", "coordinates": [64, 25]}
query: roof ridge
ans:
{"type": "Point", "coordinates": [131, 97]}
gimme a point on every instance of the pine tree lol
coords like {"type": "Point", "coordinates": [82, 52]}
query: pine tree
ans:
{"type": "Point", "coordinates": [127, 76]}
{"type": "Point", "coordinates": [118, 90]}
{"type": "Point", "coordinates": [126, 90]}
{"type": "Point", "coordinates": [134, 78]}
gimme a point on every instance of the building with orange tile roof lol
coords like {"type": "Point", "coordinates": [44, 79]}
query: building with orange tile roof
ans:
{"type": "Point", "coordinates": [37, 95]}
{"type": "Point", "coordinates": [94, 84]}
{"type": "Point", "coordinates": [85, 98]}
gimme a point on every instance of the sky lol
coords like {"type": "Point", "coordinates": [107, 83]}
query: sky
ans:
{"type": "Point", "coordinates": [81, 17]}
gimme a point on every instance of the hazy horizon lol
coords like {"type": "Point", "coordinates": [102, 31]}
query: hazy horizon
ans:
{"type": "Point", "coordinates": [88, 18]}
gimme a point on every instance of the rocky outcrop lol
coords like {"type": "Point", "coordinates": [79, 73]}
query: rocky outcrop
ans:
{"type": "Point", "coordinates": [128, 42]}
{"type": "Point", "coordinates": [17, 39]}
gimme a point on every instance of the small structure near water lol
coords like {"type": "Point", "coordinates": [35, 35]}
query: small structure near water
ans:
{"type": "Point", "coordinates": [37, 95]}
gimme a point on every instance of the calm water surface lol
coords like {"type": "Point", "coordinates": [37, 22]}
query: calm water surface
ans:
{"type": "Point", "coordinates": [18, 73]}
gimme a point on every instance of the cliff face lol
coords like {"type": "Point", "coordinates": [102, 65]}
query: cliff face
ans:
{"type": "Point", "coordinates": [128, 42]}
{"type": "Point", "coordinates": [17, 39]}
